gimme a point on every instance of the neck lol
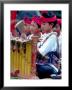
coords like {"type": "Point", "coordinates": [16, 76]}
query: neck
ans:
{"type": "Point", "coordinates": [48, 31]}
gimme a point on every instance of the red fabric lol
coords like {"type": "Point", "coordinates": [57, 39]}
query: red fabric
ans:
{"type": "Point", "coordinates": [43, 19]}
{"type": "Point", "coordinates": [37, 20]}
{"type": "Point", "coordinates": [59, 21]}
{"type": "Point", "coordinates": [13, 17]}
{"type": "Point", "coordinates": [27, 20]}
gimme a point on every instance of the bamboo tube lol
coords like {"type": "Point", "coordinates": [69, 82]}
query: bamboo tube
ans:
{"type": "Point", "coordinates": [28, 59]}
{"type": "Point", "coordinates": [21, 58]}
{"type": "Point", "coordinates": [12, 55]}
{"type": "Point", "coordinates": [11, 59]}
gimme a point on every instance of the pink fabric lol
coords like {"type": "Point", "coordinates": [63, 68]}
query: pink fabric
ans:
{"type": "Point", "coordinates": [59, 21]}
{"type": "Point", "coordinates": [27, 20]}
{"type": "Point", "coordinates": [37, 20]}
{"type": "Point", "coordinates": [13, 17]}
{"type": "Point", "coordinates": [43, 19]}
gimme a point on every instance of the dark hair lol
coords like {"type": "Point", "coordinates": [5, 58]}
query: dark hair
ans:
{"type": "Point", "coordinates": [60, 26]}
{"type": "Point", "coordinates": [54, 23]}
{"type": "Point", "coordinates": [48, 15]}
{"type": "Point", "coordinates": [38, 25]}
{"type": "Point", "coordinates": [45, 15]}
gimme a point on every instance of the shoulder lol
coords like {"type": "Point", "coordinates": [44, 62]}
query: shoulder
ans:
{"type": "Point", "coordinates": [52, 35]}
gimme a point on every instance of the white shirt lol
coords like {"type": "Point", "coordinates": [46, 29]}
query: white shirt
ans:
{"type": "Point", "coordinates": [49, 45]}
{"type": "Point", "coordinates": [41, 39]}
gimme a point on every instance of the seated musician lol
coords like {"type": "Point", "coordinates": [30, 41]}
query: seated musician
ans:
{"type": "Point", "coordinates": [47, 55]}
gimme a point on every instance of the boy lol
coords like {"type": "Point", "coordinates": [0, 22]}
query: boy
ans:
{"type": "Point", "coordinates": [48, 48]}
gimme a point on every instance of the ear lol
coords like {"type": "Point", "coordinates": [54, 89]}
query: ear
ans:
{"type": "Point", "coordinates": [51, 25]}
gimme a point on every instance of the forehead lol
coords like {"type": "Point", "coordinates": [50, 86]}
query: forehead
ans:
{"type": "Point", "coordinates": [44, 23]}
{"type": "Point", "coordinates": [34, 23]}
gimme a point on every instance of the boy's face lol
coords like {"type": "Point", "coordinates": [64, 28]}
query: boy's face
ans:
{"type": "Point", "coordinates": [27, 26]}
{"type": "Point", "coordinates": [45, 26]}
{"type": "Point", "coordinates": [33, 26]}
